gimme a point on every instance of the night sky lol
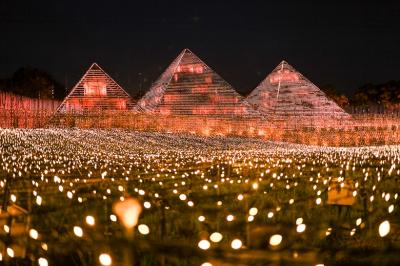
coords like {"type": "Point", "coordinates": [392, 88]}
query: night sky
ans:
{"type": "Point", "coordinates": [345, 44]}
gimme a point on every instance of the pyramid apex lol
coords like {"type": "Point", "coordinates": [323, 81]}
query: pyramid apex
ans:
{"type": "Point", "coordinates": [94, 65]}
{"type": "Point", "coordinates": [187, 50]}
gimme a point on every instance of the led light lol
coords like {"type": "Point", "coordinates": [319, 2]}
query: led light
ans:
{"type": "Point", "coordinates": [384, 228]}
{"type": "Point", "coordinates": [204, 244]}
{"type": "Point", "coordinates": [105, 259]}
{"type": "Point", "coordinates": [78, 231]}
{"type": "Point", "coordinates": [143, 229]}
{"type": "Point", "coordinates": [236, 244]}
{"type": "Point", "coordinates": [90, 220]}
{"type": "Point", "coordinates": [216, 237]}
{"type": "Point", "coordinates": [275, 240]}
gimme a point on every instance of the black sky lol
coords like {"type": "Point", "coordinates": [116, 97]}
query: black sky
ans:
{"type": "Point", "coordinates": [344, 43]}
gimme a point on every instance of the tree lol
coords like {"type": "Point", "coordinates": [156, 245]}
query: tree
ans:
{"type": "Point", "coordinates": [34, 83]}
{"type": "Point", "coordinates": [340, 98]}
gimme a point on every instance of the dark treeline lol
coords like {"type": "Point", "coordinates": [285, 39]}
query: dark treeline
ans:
{"type": "Point", "coordinates": [35, 83]}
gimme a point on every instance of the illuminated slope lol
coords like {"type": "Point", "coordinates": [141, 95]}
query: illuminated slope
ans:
{"type": "Point", "coordinates": [96, 91]}
{"type": "Point", "coordinates": [287, 93]}
{"type": "Point", "coordinates": [190, 87]}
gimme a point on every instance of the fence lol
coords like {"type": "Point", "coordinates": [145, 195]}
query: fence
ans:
{"type": "Point", "coordinates": [362, 128]}
{"type": "Point", "coordinates": [23, 112]}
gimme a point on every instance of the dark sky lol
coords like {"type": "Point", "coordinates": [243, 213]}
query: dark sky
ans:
{"type": "Point", "coordinates": [344, 43]}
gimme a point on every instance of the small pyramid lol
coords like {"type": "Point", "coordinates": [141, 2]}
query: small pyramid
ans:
{"type": "Point", "coordinates": [96, 91]}
{"type": "Point", "coordinates": [287, 93]}
{"type": "Point", "coordinates": [190, 87]}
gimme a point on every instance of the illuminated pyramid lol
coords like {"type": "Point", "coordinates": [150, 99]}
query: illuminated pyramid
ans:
{"type": "Point", "coordinates": [190, 87]}
{"type": "Point", "coordinates": [96, 91]}
{"type": "Point", "coordinates": [287, 93]}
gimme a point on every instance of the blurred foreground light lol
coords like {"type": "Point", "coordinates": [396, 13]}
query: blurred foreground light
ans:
{"type": "Point", "coordinates": [105, 259]}
{"type": "Point", "coordinates": [275, 240]}
{"type": "Point", "coordinates": [42, 262]}
{"type": "Point", "coordinates": [236, 244]}
{"type": "Point", "coordinates": [206, 264]}
{"type": "Point", "coordinates": [128, 212]}
{"type": "Point", "coordinates": [143, 229]}
{"type": "Point", "coordinates": [204, 244]}
{"type": "Point", "coordinates": [384, 229]}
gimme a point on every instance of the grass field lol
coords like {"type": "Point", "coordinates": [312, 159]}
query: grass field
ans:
{"type": "Point", "coordinates": [221, 200]}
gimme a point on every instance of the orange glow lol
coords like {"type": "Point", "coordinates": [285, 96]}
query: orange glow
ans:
{"type": "Point", "coordinates": [95, 88]}
{"type": "Point", "coordinates": [170, 98]}
{"type": "Point", "coordinates": [200, 90]}
{"type": "Point", "coordinates": [192, 68]}
{"type": "Point", "coordinates": [223, 99]}
{"type": "Point", "coordinates": [284, 75]}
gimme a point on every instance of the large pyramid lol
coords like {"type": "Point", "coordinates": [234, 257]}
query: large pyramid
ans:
{"type": "Point", "coordinates": [287, 93]}
{"type": "Point", "coordinates": [96, 91]}
{"type": "Point", "coordinates": [190, 87]}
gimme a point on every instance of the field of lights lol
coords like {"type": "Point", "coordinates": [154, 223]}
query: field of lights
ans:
{"type": "Point", "coordinates": [121, 197]}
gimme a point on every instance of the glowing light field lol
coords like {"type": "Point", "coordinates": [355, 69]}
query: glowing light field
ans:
{"type": "Point", "coordinates": [120, 197]}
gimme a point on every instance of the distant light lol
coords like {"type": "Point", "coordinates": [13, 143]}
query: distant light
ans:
{"type": "Point", "coordinates": [201, 218]}
{"type": "Point", "coordinates": [105, 259]}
